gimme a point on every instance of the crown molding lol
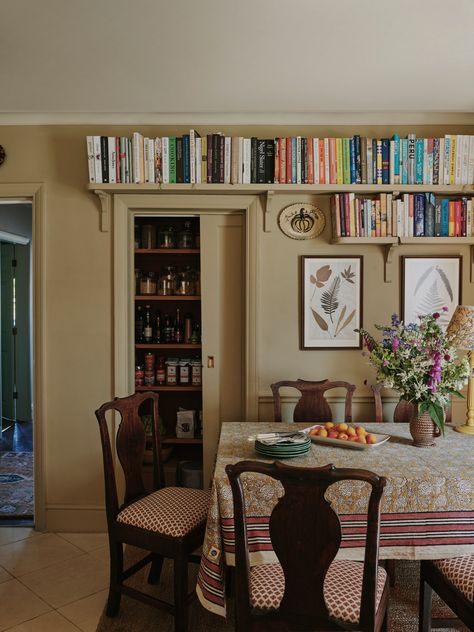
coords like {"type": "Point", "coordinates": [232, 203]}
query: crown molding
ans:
{"type": "Point", "coordinates": [242, 118]}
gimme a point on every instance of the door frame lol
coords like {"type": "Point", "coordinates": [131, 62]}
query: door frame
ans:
{"type": "Point", "coordinates": [35, 193]}
{"type": "Point", "coordinates": [125, 207]}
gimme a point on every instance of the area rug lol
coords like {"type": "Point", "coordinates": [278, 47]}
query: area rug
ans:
{"type": "Point", "coordinates": [135, 616]}
{"type": "Point", "coordinates": [16, 484]}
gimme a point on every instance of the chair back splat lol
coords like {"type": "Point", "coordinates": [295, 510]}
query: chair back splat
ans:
{"type": "Point", "coordinates": [306, 535]}
{"type": "Point", "coordinates": [312, 405]}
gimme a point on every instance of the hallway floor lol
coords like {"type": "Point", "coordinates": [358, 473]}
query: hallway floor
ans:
{"type": "Point", "coordinates": [52, 582]}
{"type": "Point", "coordinates": [16, 472]}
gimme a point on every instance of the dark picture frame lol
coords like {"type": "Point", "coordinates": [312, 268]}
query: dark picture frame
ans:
{"type": "Point", "coordinates": [331, 301]}
{"type": "Point", "coordinates": [428, 283]}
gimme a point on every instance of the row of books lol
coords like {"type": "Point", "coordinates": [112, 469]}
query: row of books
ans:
{"type": "Point", "coordinates": [411, 215]}
{"type": "Point", "coordinates": [216, 158]}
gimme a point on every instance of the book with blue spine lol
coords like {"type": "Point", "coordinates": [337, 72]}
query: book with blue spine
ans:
{"type": "Point", "coordinates": [186, 163]}
{"type": "Point", "coordinates": [404, 161]}
{"type": "Point", "coordinates": [353, 161]}
{"type": "Point", "coordinates": [437, 228]}
{"type": "Point", "coordinates": [396, 159]}
{"type": "Point", "coordinates": [419, 150]}
{"type": "Point", "coordinates": [444, 217]}
{"type": "Point", "coordinates": [429, 215]}
{"type": "Point", "coordinates": [419, 215]}
{"type": "Point", "coordinates": [385, 161]}
{"type": "Point", "coordinates": [374, 161]}
{"type": "Point", "coordinates": [294, 158]}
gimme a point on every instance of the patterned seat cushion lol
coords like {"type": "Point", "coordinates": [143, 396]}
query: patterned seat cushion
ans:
{"type": "Point", "coordinates": [460, 572]}
{"type": "Point", "coordinates": [173, 511]}
{"type": "Point", "coordinates": [342, 588]}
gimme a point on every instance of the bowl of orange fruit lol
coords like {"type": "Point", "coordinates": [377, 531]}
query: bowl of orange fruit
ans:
{"type": "Point", "coordinates": [344, 435]}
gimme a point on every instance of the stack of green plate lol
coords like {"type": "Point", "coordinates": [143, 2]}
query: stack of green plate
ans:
{"type": "Point", "coordinates": [283, 450]}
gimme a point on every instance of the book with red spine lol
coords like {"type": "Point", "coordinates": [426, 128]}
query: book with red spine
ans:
{"type": "Point", "coordinates": [347, 214]}
{"type": "Point", "coordinates": [310, 155]}
{"type": "Point", "coordinates": [322, 167]}
{"type": "Point", "coordinates": [282, 143]}
{"type": "Point", "coordinates": [332, 161]}
{"type": "Point", "coordinates": [289, 163]}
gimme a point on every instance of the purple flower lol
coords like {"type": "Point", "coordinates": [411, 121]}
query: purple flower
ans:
{"type": "Point", "coordinates": [385, 363]}
{"type": "Point", "coordinates": [395, 344]}
{"type": "Point", "coordinates": [447, 357]}
{"type": "Point", "coordinates": [436, 315]}
{"type": "Point", "coordinates": [445, 309]}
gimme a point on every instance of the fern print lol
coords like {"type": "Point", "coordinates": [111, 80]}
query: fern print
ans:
{"type": "Point", "coordinates": [329, 298]}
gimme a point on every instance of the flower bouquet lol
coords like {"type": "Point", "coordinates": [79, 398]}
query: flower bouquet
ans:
{"type": "Point", "coordinates": [418, 361]}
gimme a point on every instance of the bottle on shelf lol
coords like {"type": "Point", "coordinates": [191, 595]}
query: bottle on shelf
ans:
{"type": "Point", "coordinates": [148, 236]}
{"type": "Point", "coordinates": [148, 327]}
{"type": "Point", "coordinates": [139, 324]}
{"type": "Point", "coordinates": [178, 328]}
{"type": "Point", "coordinates": [167, 237]}
{"type": "Point", "coordinates": [196, 335]}
{"type": "Point", "coordinates": [160, 371]}
{"type": "Point", "coordinates": [168, 330]}
{"type": "Point", "coordinates": [188, 328]}
{"type": "Point", "coordinates": [158, 332]}
{"type": "Point", "coordinates": [185, 236]}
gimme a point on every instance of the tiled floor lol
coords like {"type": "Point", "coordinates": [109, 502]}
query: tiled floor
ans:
{"type": "Point", "coordinates": [51, 582]}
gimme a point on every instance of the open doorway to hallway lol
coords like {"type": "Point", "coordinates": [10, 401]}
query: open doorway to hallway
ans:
{"type": "Point", "coordinates": [16, 371]}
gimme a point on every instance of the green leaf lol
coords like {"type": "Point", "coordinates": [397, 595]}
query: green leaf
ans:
{"type": "Point", "coordinates": [457, 393]}
{"type": "Point", "coordinates": [437, 415]}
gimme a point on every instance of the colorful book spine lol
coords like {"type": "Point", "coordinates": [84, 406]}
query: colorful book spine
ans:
{"type": "Point", "coordinates": [352, 161]}
{"type": "Point", "coordinates": [419, 152]}
{"type": "Point", "coordinates": [411, 158]}
{"type": "Point", "coordinates": [357, 150]}
{"type": "Point", "coordinates": [385, 161]}
{"type": "Point", "coordinates": [444, 217]}
{"type": "Point", "coordinates": [370, 159]}
{"type": "Point", "coordinates": [436, 160]}
{"type": "Point", "coordinates": [339, 162]}
{"type": "Point", "coordinates": [404, 161]}
{"type": "Point", "coordinates": [429, 228]}
{"type": "Point", "coordinates": [379, 163]}
{"type": "Point", "coordinates": [172, 159]}
{"type": "Point", "coordinates": [396, 159]}
{"type": "Point", "coordinates": [419, 215]}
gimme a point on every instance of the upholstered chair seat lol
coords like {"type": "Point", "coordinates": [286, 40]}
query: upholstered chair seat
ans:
{"type": "Point", "coordinates": [460, 572]}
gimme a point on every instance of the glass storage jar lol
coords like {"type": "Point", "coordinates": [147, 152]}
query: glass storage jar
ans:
{"type": "Point", "coordinates": [148, 236]}
{"type": "Point", "coordinates": [148, 283]}
{"type": "Point", "coordinates": [185, 282]}
{"type": "Point", "coordinates": [167, 281]}
{"type": "Point", "coordinates": [185, 236]}
{"type": "Point", "coordinates": [167, 238]}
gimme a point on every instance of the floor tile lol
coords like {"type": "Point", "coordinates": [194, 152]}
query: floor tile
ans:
{"type": "Point", "coordinates": [49, 622]}
{"type": "Point", "coordinates": [35, 553]}
{"type": "Point", "coordinates": [101, 554]}
{"type": "Point", "coordinates": [86, 541]}
{"type": "Point", "coordinates": [13, 534]}
{"type": "Point", "coordinates": [86, 612]}
{"type": "Point", "coordinates": [68, 580]}
{"type": "Point", "coordinates": [4, 575]}
{"type": "Point", "coordinates": [18, 604]}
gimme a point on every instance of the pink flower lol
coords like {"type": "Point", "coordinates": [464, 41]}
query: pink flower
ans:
{"type": "Point", "coordinates": [395, 344]}
{"type": "Point", "coordinates": [445, 309]}
{"type": "Point", "coordinates": [436, 315]}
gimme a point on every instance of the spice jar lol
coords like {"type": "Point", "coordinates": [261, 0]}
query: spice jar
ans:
{"type": "Point", "coordinates": [185, 282]}
{"type": "Point", "coordinates": [196, 372]}
{"type": "Point", "coordinates": [139, 375]}
{"type": "Point", "coordinates": [149, 361]}
{"type": "Point", "coordinates": [171, 371]}
{"type": "Point", "coordinates": [167, 281]}
{"type": "Point", "coordinates": [184, 377]}
{"type": "Point", "coordinates": [167, 238]}
{"type": "Point", "coordinates": [160, 371]}
{"type": "Point", "coordinates": [185, 236]}
{"type": "Point", "coordinates": [148, 283]}
{"type": "Point", "coordinates": [148, 237]}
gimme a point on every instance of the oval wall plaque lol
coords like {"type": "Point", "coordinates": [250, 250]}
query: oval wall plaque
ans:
{"type": "Point", "coordinates": [302, 221]}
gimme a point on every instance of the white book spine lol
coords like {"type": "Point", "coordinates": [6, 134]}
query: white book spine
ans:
{"type": "Point", "coordinates": [240, 160]}
{"type": "Point", "coordinates": [165, 157]}
{"type": "Point", "coordinates": [470, 174]}
{"type": "Point", "coordinates": [370, 159]}
{"type": "Point", "coordinates": [112, 156]}
{"type": "Point", "coordinates": [227, 159]}
{"type": "Point", "coordinates": [298, 160]}
{"type": "Point", "coordinates": [392, 162]}
{"type": "Point", "coordinates": [146, 160]}
{"type": "Point", "coordinates": [389, 214]}
{"type": "Point", "coordinates": [447, 152]}
{"type": "Point", "coordinates": [91, 158]}
{"type": "Point", "coordinates": [316, 160]}
{"type": "Point", "coordinates": [406, 224]}
{"type": "Point", "coordinates": [394, 218]}
{"type": "Point", "coordinates": [441, 161]}
{"type": "Point", "coordinates": [465, 161]}
{"type": "Point", "coordinates": [151, 168]}
{"type": "Point", "coordinates": [136, 142]}
{"type": "Point", "coordinates": [246, 161]}
{"type": "Point", "coordinates": [198, 160]}
{"type": "Point", "coordinates": [327, 179]}
{"type": "Point", "coordinates": [192, 156]}
{"type": "Point", "coordinates": [130, 161]}
{"type": "Point", "coordinates": [97, 160]}
{"type": "Point", "coordinates": [458, 171]}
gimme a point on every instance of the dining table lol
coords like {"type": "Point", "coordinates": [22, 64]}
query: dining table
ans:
{"type": "Point", "coordinates": [427, 509]}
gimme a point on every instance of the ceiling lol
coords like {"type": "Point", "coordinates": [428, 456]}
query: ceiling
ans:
{"type": "Point", "coordinates": [225, 57]}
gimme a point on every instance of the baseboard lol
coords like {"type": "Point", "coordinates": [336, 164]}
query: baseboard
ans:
{"type": "Point", "coordinates": [76, 519]}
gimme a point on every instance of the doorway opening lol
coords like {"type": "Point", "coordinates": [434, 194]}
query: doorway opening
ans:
{"type": "Point", "coordinates": [16, 369]}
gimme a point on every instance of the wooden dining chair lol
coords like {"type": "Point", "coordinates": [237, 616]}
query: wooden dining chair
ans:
{"type": "Point", "coordinates": [169, 522]}
{"type": "Point", "coordinates": [307, 589]}
{"type": "Point", "coordinates": [312, 405]}
{"type": "Point", "coordinates": [403, 411]}
{"type": "Point", "coordinates": [453, 580]}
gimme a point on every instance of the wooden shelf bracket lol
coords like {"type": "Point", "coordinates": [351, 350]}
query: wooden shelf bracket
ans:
{"type": "Point", "coordinates": [105, 202]}
{"type": "Point", "coordinates": [389, 248]}
{"type": "Point", "coordinates": [268, 208]}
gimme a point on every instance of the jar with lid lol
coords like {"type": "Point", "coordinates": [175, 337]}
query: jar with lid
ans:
{"type": "Point", "coordinates": [185, 282]}
{"type": "Point", "coordinates": [171, 371]}
{"type": "Point", "coordinates": [184, 377]}
{"type": "Point", "coordinates": [139, 375]}
{"type": "Point", "coordinates": [148, 237]}
{"type": "Point", "coordinates": [167, 238]}
{"type": "Point", "coordinates": [148, 283]}
{"type": "Point", "coordinates": [185, 236]}
{"type": "Point", "coordinates": [196, 372]}
{"type": "Point", "coordinates": [167, 281]}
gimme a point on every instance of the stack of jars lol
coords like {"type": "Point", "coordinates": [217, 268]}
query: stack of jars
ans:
{"type": "Point", "coordinates": [170, 282]}
{"type": "Point", "coordinates": [169, 371]}
{"type": "Point", "coordinates": [150, 237]}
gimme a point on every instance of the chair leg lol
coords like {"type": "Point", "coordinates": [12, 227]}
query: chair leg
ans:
{"type": "Point", "coordinates": [390, 566]}
{"type": "Point", "coordinates": [384, 626]}
{"type": "Point", "coordinates": [181, 593]}
{"type": "Point", "coordinates": [155, 570]}
{"type": "Point", "coordinates": [426, 593]}
{"type": "Point", "coordinates": [116, 570]}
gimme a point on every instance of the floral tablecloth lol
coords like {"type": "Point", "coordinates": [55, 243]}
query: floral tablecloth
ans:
{"type": "Point", "coordinates": [427, 506]}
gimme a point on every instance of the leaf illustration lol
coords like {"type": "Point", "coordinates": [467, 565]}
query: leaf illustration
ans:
{"type": "Point", "coordinates": [446, 282]}
{"type": "Point", "coordinates": [320, 320]}
{"type": "Point", "coordinates": [348, 275]}
{"type": "Point", "coordinates": [323, 273]}
{"type": "Point", "coordinates": [329, 300]}
{"type": "Point", "coordinates": [423, 278]}
{"type": "Point", "coordinates": [431, 301]}
{"type": "Point", "coordinates": [339, 320]}
{"type": "Point", "coordinates": [312, 279]}
{"type": "Point", "coordinates": [346, 322]}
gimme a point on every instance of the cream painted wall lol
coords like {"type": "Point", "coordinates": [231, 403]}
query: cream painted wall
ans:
{"type": "Point", "coordinates": [78, 298]}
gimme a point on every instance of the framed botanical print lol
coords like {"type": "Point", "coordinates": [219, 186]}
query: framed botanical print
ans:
{"type": "Point", "coordinates": [429, 284]}
{"type": "Point", "coordinates": [331, 302]}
